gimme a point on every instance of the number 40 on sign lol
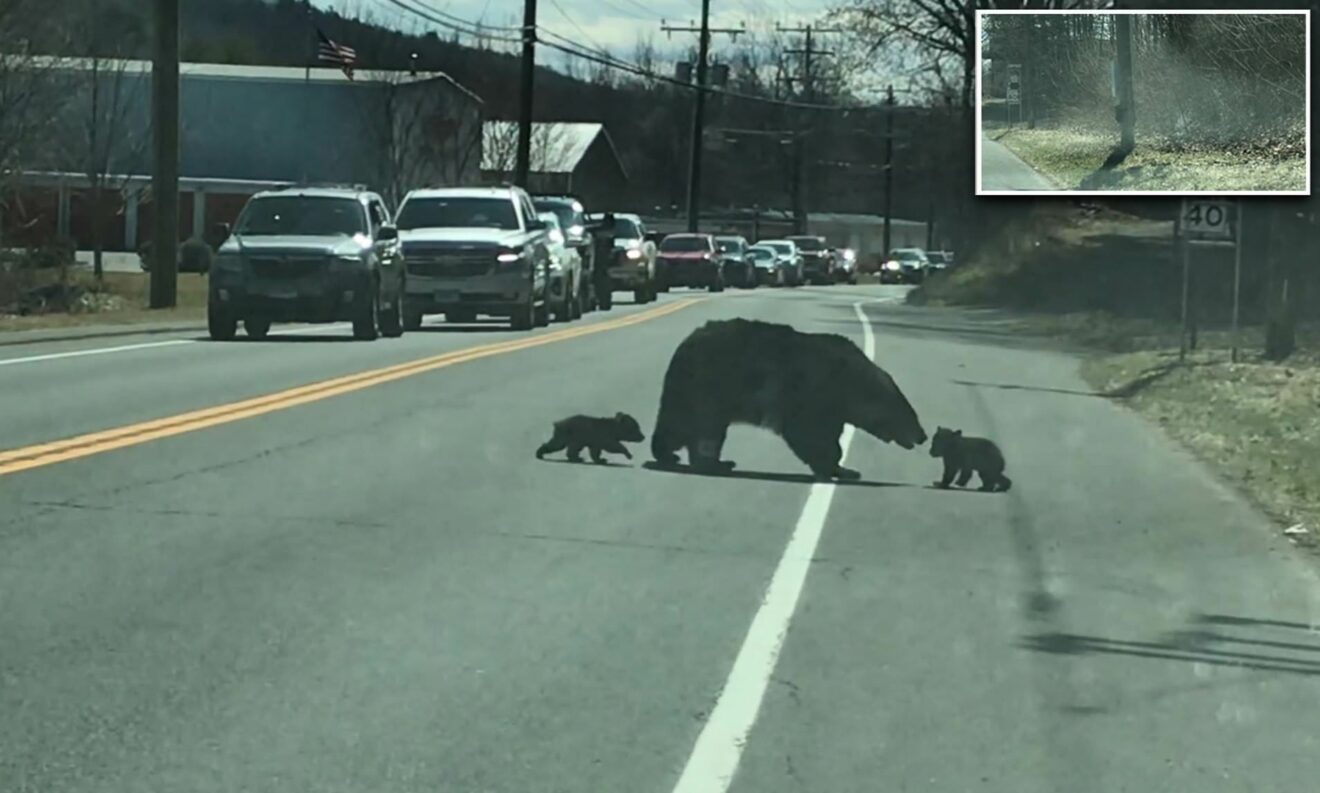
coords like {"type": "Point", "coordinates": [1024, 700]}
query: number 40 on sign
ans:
{"type": "Point", "coordinates": [1208, 219]}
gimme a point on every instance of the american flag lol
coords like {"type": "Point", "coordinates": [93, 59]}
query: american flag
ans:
{"type": "Point", "coordinates": [330, 52]}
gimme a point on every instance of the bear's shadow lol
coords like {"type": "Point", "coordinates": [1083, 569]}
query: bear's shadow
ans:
{"type": "Point", "coordinates": [585, 461]}
{"type": "Point", "coordinates": [764, 476]}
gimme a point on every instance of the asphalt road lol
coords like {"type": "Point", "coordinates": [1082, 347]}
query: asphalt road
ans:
{"type": "Point", "coordinates": [1001, 169]}
{"type": "Point", "coordinates": [375, 586]}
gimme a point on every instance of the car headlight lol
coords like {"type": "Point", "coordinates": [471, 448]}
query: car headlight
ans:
{"type": "Point", "coordinates": [633, 253]}
{"type": "Point", "coordinates": [891, 265]}
{"type": "Point", "coordinates": [348, 258]}
{"type": "Point", "coordinates": [509, 257]}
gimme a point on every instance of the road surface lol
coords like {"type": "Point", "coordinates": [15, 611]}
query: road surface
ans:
{"type": "Point", "coordinates": [1001, 169]}
{"type": "Point", "coordinates": [372, 585]}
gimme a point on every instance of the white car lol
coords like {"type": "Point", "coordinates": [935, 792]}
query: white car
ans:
{"type": "Point", "coordinates": [565, 272]}
{"type": "Point", "coordinates": [790, 258]}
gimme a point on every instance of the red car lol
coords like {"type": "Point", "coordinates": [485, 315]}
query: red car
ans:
{"type": "Point", "coordinates": [691, 260]}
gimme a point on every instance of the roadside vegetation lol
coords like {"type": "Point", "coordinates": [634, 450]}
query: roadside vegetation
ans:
{"type": "Point", "coordinates": [1068, 155]}
{"type": "Point", "coordinates": [1108, 284]}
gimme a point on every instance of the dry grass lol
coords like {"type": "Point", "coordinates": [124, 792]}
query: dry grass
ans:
{"type": "Point", "coordinates": [1256, 423]}
{"type": "Point", "coordinates": [1068, 155]}
{"type": "Point", "coordinates": [132, 287]}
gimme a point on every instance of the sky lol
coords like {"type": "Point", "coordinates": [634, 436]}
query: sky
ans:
{"type": "Point", "coordinates": [614, 25]}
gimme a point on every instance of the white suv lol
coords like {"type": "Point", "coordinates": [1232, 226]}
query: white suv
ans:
{"type": "Point", "coordinates": [475, 250]}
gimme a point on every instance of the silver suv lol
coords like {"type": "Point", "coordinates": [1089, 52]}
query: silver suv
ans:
{"type": "Point", "coordinates": [475, 250]}
{"type": "Point", "coordinates": [308, 254]}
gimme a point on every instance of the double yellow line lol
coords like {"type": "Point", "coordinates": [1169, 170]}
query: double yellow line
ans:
{"type": "Point", "coordinates": [28, 457]}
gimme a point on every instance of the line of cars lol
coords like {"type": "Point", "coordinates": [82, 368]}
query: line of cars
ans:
{"type": "Point", "coordinates": [335, 253]}
{"type": "Point", "coordinates": [913, 265]}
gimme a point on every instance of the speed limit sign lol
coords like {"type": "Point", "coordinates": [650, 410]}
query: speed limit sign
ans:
{"type": "Point", "coordinates": [1207, 219]}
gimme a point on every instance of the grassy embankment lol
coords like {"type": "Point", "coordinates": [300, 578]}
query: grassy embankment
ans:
{"type": "Point", "coordinates": [1106, 283]}
{"type": "Point", "coordinates": [123, 301]}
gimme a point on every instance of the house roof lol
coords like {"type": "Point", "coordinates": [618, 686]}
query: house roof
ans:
{"type": "Point", "coordinates": [557, 146]}
{"type": "Point", "coordinates": [267, 73]}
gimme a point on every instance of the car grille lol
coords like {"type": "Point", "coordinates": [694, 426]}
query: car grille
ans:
{"type": "Point", "coordinates": [287, 266]}
{"type": "Point", "coordinates": [457, 264]}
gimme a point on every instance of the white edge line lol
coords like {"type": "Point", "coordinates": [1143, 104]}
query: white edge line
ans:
{"type": "Point", "coordinates": [714, 760]}
{"type": "Point", "coordinates": [95, 351]}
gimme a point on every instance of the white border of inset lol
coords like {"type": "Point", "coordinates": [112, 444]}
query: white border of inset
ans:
{"type": "Point", "coordinates": [977, 68]}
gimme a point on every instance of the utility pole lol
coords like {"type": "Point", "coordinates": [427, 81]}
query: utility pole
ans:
{"type": "Point", "coordinates": [698, 107]}
{"type": "Point", "coordinates": [800, 180]}
{"type": "Point", "coordinates": [889, 163]}
{"type": "Point", "coordinates": [165, 176]}
{"type": "Point", "coordinates": [1127, 112]}
{"type": "Point", "coordinates": [523, 164]}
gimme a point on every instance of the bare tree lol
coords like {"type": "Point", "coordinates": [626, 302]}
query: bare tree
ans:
{"type": "Point", "coordinates": [29, 91]}
{"type": "Point", "coordinates": [936, 38]}
{"type": "Point", "coordinates": [107, 133]}
{"type": "Point", "coordinates": [427, 131]}
{"type": "Point", "coordinates": [550, 144]}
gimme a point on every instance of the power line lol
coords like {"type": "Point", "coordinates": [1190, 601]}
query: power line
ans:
{"type": "Point", "coordinates": [431, 15]}
{"type": "Point", "coordinates": [650, 75]}
{"type": "Point", "coordinates": [577, 27]}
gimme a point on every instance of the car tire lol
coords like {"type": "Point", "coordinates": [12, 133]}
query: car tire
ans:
{"type": "Point", "coordinates": [256, 328]}
{"type": "Point", "coordinates": [575, 305]}
{"type": "Point", "coordinates": [522, 317]}
{"type": "Point", "coordinates": [541, 314]}
{"type": "Point", "coordinates": [391, 323]}
{"type": "Point", "coordinates": [717, 285]}
{"type": "Point", "coordinates": [564, 312]}
{"type": "Point", "coordinates": [220, 324]}
{"type": "Point", "coordinates": [366, 326]}
{"type": "Point", "coordinates": [606, 299]}
{"type": "Point", "coordinates": [412, 318]}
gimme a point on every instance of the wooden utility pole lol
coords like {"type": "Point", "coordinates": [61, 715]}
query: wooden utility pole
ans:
{"type": "Point", "coordinates": [801, 180]}
{"type": "Point", "coordinates": [164, 273]}
{"type": "Point", "coordinates": [889, 164]}
{"type": "Point", "coordinates": [698, 108]}
{"type": "Point", "coordinates": [523, 164]}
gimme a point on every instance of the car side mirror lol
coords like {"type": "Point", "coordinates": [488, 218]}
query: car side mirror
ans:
{"type": "Point", "coordinates": [387, 234]}
{"type": "Point", "coordinates": [221, 232]}
{"type": "Point", "coordinates": [536, 224]}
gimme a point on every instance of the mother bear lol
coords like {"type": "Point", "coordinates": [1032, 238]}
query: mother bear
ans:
{"type": "Point", "coordinates": [802, 386]}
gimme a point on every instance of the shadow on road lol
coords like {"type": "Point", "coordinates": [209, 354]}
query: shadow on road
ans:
{"type": "Point", "coordinates": [1043, 389]}
{"type": "Point", "coordinates": [276, 338]}
{"type": "Point", "coordinates": [584, 461]}
{"type": "Point", "coordinates": [1198, 645]}
{"type": "Point", "coordinates": [764, 476]}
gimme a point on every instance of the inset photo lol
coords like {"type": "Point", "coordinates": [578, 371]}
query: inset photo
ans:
{"type": "Point", "coordinates": [1143, 103]}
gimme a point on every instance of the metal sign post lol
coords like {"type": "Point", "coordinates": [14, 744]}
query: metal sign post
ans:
{"type": "Point", "coordinates": [1237, 279]}
{"type": "Point", "coordinates": [1207, 223]}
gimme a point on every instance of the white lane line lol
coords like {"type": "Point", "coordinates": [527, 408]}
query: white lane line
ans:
{"type": "Point", "coordinates": [719, 748]}
{"type": "Point", "coordinates": [95, 351]}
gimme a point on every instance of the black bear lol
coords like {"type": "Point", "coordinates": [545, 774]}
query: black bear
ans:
{"type": "Point", "coordinates": [963, 455]}
{"type": "Point", "coordinates": [802, 386]}
{"type": "Point", "coordinates": [597, 434]}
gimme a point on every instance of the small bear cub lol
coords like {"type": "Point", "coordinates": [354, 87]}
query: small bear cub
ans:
{"type": "Point", "coordinates": [963, 455]}
{"type": "Point", "coordinates": [576, 433]}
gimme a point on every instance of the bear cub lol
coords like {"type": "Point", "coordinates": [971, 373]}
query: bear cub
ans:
{"type": "Point", "coordinates": [576, 433]}
{"type": "Point", "coordinates": [963, 455]}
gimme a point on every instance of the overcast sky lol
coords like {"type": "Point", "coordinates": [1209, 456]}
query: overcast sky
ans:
{"type": "Point", "coordinates": [612, 24]}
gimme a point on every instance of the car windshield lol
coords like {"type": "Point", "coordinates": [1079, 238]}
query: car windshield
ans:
{"type": "Point", "coordinates": [935, 258]}
{"type": "Point", "coordinates": [908, 255]}
{"type": "Point", "coordinates": [567, 216]}
{"type": "Point", "coordinates": [809, 244]}
{"type": "Point", "coordinates": [626, 229]}
{"type": "Point", "coordinates": [457, 212]}
{"type": "Point", "coordinates": [726, 244]}
{"type": "Point", "coordinates": [315, 216]}
{"type": "Point", "coordinates": [759, 254]}
{"type": "Point", "coordinates": [781, 247]}
{"type": "Point", "coordinates": [684, 244]}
